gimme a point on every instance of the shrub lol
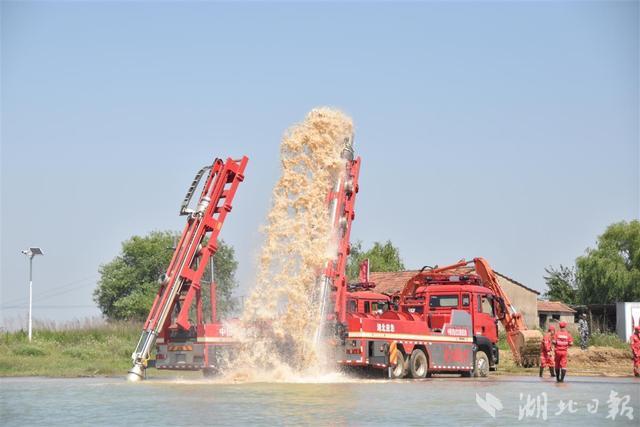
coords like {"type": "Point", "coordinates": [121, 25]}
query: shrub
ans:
{"type": "Point", "coordinates": [28, 350]}
{"type": "Point", "coordinates": [607, 339]}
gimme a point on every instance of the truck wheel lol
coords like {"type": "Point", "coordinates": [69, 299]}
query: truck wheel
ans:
{"type": "Point", "coordinates": [418, 364]}
{"type": "Point", "coordinates": [399, 370]}
{"type": "Point", "coordinates": [482, 365]}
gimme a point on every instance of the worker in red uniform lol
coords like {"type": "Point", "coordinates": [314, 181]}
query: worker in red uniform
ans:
{"type": "Point", "coordinates": [635, 348]}
{"type": "Point", "coordinates": [546, 358]}
{"type": "Point", "coordinates": [562, 340]}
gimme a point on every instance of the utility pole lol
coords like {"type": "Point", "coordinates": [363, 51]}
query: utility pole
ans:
{"type": "Point", "coordinates": [30, 253]}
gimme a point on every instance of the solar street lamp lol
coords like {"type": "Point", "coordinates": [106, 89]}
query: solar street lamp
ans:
{"type": "Point", "coordinates": [30, 253]}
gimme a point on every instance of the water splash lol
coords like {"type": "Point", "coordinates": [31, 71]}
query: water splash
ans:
{"type": "Point", "coordinates": [282, 314]}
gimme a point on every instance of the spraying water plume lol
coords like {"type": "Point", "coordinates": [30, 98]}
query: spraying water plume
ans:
{"type": "Point", "coordinates": [282, 314]}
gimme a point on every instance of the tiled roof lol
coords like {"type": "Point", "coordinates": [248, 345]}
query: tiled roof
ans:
{"type": "Point", "coordinates": [553, 306]}
{"type": "Point", "coordinates": [391, 282]}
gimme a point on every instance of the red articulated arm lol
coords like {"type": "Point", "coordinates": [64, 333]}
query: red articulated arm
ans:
{"type": "Point", "coordinates": [416, 281]}
{"type": "Point", "coordinates": [511, 319]}
{"type": "Point", "coordinates": [524, 343]}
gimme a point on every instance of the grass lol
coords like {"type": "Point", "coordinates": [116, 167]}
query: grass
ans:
{"type": "Point", "coordinates": [597, 339]}
{"type": "Point", "coordinates": [92, 348]}
{"type": "Point", "coordinates": [97, 348]}
{"type": "Point", "coordinates": [605, 340]}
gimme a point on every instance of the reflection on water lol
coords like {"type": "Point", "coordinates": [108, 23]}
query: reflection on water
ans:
{"type": "Point", "coordinates": [331, 400]}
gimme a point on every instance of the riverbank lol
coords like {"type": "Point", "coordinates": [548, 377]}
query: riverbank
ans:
{"type": "Point", "coordinates": [606, 356]}
{"type": "Point", "coordinates": [89, 350]}
{"type": "Point", "coordinates": [593, 362]}
{"type": "Point", "coordinates": [105, 350]}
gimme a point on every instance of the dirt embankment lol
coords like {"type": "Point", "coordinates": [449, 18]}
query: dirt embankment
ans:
{"type": "Point", "coordinates": [595, 361]}
{"type": "Point", "coordinates": [607, 361]}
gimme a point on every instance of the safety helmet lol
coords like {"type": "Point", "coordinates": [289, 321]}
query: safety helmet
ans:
{"type": "Point", "coordinates": [563, 324]}
{"type": "Point", "coordinates": [552, 328]}
{"type": "Point", "coordinates": [637, 328]}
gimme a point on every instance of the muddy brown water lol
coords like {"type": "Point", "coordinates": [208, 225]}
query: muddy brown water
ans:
{"type": "Point", "coordinates": [322, 401]}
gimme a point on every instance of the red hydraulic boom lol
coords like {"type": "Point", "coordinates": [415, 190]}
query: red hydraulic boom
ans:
{"type": "Point", "coordinates": [198, 243]}
{"type": "Point", "coordinates": [341, 201]}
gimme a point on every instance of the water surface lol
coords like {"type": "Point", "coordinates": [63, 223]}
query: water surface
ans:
{"type": "Point", "coordinates": [441, 401]}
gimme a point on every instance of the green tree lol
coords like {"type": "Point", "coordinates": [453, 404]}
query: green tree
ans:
{"type": "Point", "coordinates": [382, 257]}
{"type": "Point", "coordinates": [561, 284]}
{"type": "Point", "coordinates": [224, 267]}
{"type": "Point", "coordinates": [129, 283]}
{"type": "Point", "coordinates": [611, 271]}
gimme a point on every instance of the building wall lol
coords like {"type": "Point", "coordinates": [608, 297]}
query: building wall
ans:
{"type": "Point", "coordinates": [627, 316]}
{"type": "Point", "coordinates": [564, 317]}
{"type": "Point", "coordinates": [525, 301]}
{"type": "Point", "coordinates": [569, 318]}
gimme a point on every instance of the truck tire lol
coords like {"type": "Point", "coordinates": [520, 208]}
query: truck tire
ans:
{"type": "Point", "coordinates": [481, 369]}
{"type": "Point", "coordinates": [418, 364]}
{"type": "Point", "coordinates": [400, 369]}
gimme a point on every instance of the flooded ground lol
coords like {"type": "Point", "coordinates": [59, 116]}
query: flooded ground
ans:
{"type": "Point", "coordinates": [334, 400]}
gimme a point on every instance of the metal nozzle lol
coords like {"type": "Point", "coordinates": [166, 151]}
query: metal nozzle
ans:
{"type": "Point", "coordinates": [347, 151]}
{"type": "Point", "coordinates": [136, 373]}
{"type": "Point", "coordinates": [202, 206]}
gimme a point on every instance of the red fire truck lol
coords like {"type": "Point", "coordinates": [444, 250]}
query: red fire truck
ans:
{"type": "Point", "coordinates": [442, 322]}
{"type": "Point", "coordinates": [396, 336]}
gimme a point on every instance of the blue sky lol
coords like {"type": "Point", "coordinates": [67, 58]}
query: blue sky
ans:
{"type": "Point", "coordinates": [507, 130]}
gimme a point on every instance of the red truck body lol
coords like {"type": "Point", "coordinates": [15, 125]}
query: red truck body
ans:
{"type": "Point", "coordinates": [438, 329]}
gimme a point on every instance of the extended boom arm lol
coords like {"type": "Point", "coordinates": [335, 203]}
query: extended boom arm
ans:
{"type": "Point", "coordinates": [196, 246]}
{"type": "Point", "coordinates": [341, 201]}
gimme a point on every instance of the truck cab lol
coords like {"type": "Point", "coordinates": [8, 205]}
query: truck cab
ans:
{"type": "Point", "coordinates": [367, 304]}
{"type": "Point", "coordinates": [435, 298]}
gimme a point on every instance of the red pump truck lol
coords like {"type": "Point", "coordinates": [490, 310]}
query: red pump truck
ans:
{"type": "Point", "coordinates": [183, 343]}
{"type": "Point", "coordinates": [360, 338]}
{"type": "Point", "coordinates": [442, 322]}
{"type": "Point", "coordinates": [384, 339]}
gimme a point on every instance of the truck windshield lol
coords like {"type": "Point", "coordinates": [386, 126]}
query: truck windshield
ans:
{"type": "Point", "coordinates": [374, 306]}
{"type": "Point", "coordinates": [379, 306]}
{"type": "Point", "coordinates": [443, 301]}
